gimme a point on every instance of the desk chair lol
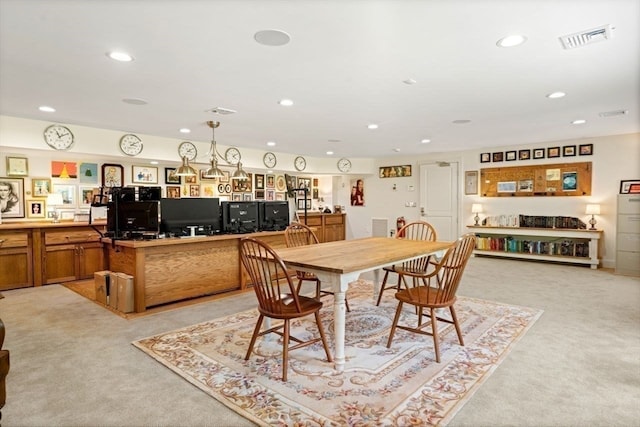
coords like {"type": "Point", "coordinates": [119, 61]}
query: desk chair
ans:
{"type": "Point", "coordinates": [418, 230]}
{"type": "Point", "coordinates": [296, 235]}
{"type": "Point", "coordinates": [438, 290]}
{"type": "Point", "coordinates": [277, 298]}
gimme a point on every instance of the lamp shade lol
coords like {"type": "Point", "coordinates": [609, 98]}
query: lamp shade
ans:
{"type": "Point", "coordinates": [214, 171]}
{"type": "Point", "coordinates": [54, 199]}
{"type": "Point", "coordinates": [476, 208]}
{"type": "Point", "coordinates": [240, 174]}
{"type": "Point", "coordinates": [185, 169]}
{"type": "Point", "coordinates": [593, 209]}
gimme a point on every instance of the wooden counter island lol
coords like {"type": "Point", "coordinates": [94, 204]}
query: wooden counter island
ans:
{"type": "Point", "coordinates": [175, 269]}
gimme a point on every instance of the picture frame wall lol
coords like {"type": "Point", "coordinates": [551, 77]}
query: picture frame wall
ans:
{"type": "Point", "coordinates": [12, 197]}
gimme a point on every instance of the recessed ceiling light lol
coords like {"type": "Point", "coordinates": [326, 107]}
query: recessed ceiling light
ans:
{"type": "Point", "coordinates": [185, 130]}
{"type": "Point", "coordinates": [154, 162]}
{"type": "Point", "coordinates": [120, 56]}
{"type": "Point", "coordinates": [272, 37]}
{"type": "Point", "coordinates": [285, 102]}
{"type": "Point", "coordinates": [409, 81]}
{"type": "Point", "coordinates": [135, 101]}
{"type": "Point", "coordinates": [461, 121]}
{"type": "Point", "coordinates": [372, 126]}
{"type": "Point", "coordinates": [425, 141]}
{"type": "Point", "coordinates": [555, 95]}
{"type": "Point", "coordinates": [579, 122]}
{"type": "Point", "coordinates": [329, 153]}
{"type": "Point", "coordinates": [47, 109]}
{"type": "Point", "coordinates": [397, 150]}
{"type": "Point", "coordinates": [271, 143]}
{"type": "Point", "coordinates": [511, 41]}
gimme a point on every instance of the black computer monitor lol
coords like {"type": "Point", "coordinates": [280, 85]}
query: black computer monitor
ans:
{"type": "Point", "coordinates": [130, 218]}
{"type": "Point", "coordinates": [178, 215]}
{"type": "Point", "coordinates": [274, 215]}
{"type": "Point", "coordinates": [240, 217]}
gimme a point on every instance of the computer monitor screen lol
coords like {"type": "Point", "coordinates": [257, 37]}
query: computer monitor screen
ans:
{"type": "Point", "coordinates": [127, 217]}
{"type": "Point", "coordinates": [178, 215]}
{"type": "Point", "coordinates": [274, 215]}
{"type": "Point", "coordinates": [240, 217]}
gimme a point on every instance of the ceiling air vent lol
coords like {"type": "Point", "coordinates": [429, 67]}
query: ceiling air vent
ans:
{"type": "Point", "coordinates": [586, 37]}
{"type": "Point", "coordinates": [614, 113]}
{"type": "Point", "coordinates": [221, 110]}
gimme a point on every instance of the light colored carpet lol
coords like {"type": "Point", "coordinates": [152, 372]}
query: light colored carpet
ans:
{"type": "Point", "coordinates": [397, 386]}
{"type": "Point", "coordinates": [72, 362]}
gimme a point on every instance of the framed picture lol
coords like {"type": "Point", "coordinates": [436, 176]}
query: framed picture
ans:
{"type": "Point", "coordinates": [538, 153]}
{"type": "Point", "coordinates": [40, 187]}
{"type": "Point", "coordinates": [525, 185]}
{"type": "Point", "coordinates": [259, 184]}
{"type": "Point", "coordinates": [471, 182]}
{"type": "Point", "coordinates": [497, 157]}
{"type": "Point", "coordinates": [259, 194]}
{"type": "Point", "coordinates": [241, 185]}
{"type": "Point", "coordinates": [68, 193]}
{"type": "Point", "coordinates": [524, 154]}
{"type": "Point", "coordinates": [553, 152]}
{"type": "Point", "coordinates": [170, 176]}
{"type": "Point", "coordinates": [568, 151]}
{"type": "Point", "coordinates": [315, 182]}
{"type": "Point", "coordinates": [36, 209]}
{"type": "Point", "coordinates": [17, 166]}
{"type": "Point", "coordinates": [12, 197]}
{"type": "Point", "coordinates": [271, 181]}
{"type": "Point", "coordinates": [315, 193]}
{"type": "Point", "coordinates": [585, 149]}
{"type": "Point", "coordinates": [304, 202]}
{"type": "Point", "coordinates": [192, 179]}
{"type": "Point", "coordinates": [194, 190]}
{"type": "Point", "coordinates": [207, 190]}
{"type": "Point", "coordinates": [112, 175]}
{"type": "Point", "coordinates": [87, 196]}
{"type": "Point", "coordinates": [510, 156]}
{"type": "Point", "coordinates": [626, 186]}
{"type": "Point", "coordinates": [236, 197]}
{"type": "Point", "coordinates": [226, 176]}
{"type": "Point", "coordinates": [173, 191]}
{"type": "Point", "coordinates": [507, 187]}
{"type": "Point", "coordinates": [485, 157]}
{"type": "Point", "coordinates": [569, 181]}
{"type": "Point", "coordinates": [67, 215]}
{"type": "Point", "coordinates": [394, 171]}
{"type": "Point", "coordinates": [247, 197]}
{"type": "Point", "coordinates": [304, 183]}
{"type": "Point", "coordinates": [270, 195]}
{"type": "Point", "coordinates": [88, 173]}
{"type": "Point", "coordinates": [64, 170]}
{"type": "Point", "coordinates": [281, 196]}
{"type": "Point", "coordinates": [144, 174]}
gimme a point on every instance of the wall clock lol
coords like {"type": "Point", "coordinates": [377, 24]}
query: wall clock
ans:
{"type": "Point", "coordinates": [232, 156]}
{"type": "Point", "coordinates": [344, 165]}
{"type": "Point", "coordinates": [269, 160]}
{"type": "Point", "coordinates": [58, 137]}
{"type": "Point", "coordinates": [300, 163]}
{"type": "Point", "coordinates": [187, 149]}
{"type": "Point", "coordinates": [131, 144]}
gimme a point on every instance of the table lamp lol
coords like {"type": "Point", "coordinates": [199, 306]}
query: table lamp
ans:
{"type": "Point", "coordinates": [53, 200]}
{"type": "Point", "coordinates": [593, 210]}
{"type": "Point", "coordinates": [476, 208]}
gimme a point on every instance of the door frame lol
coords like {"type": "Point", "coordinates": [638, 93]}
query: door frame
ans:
{"type": "Point", "coordinates": [460, 180]}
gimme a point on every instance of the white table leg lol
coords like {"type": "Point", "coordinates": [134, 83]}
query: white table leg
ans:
{"type": "Point", "coordinates": [376, 283]}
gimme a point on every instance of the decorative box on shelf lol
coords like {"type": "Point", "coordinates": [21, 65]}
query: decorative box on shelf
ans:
{"type": "Point", "coordinates": [578, 246]}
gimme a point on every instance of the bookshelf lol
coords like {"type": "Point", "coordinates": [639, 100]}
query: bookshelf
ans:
{"type": "Point", "coordinates": [576, 246]}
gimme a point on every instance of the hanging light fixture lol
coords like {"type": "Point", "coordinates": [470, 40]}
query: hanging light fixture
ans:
{"type": "Point", "coordinates": [185, 169]}
{"type": "Point", "coordinates": [240, 174]}
{"type": "Point", "coordinates": [214, 171]}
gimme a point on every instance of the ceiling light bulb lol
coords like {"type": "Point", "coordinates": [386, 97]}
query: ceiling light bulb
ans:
{"type": "Point", "coordinates": [47, 109]}
{"type": "Point", "coordinates": [555, 95]}
{"type": "Point", "coordinates": [154, 162]}
{"type": "Point", "coordinates": [329, 153]}
{"type": "Point", "coordinates": [579, 122]}
{"type": "Point", "coordinates": [271, 143]}
{"type": "Point", "coordinates": [425, 141]}
{"type": "Point", "coordinates": [185, 130]}
{"type": "Point", "coordinates": [409, 81]}
{"type": "Point", "coordinates": [285, 102]}
{"type": "Point", "coordinates": [120, 56]}
{"type": "Point", "coordinates": [372, 126]}
{"type": "Point", "coordinates": [397, 150]}
{"type": "Point", "coordinates": [511, 41]}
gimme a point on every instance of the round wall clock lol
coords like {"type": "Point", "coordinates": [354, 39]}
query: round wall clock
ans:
{"type": "Point", "coordinates": [58, 137]}
{"type": "Point", "coordinates": [300, 163]}
{"type": "Point", "coordinates": [344, 165]}
{"type": "Point", "coordinates": [232, 156]}
{"type": "Point", "coordinates": [269, 160]}
{"type": "Point", "coordinates": [187, 149]}
{"type": "Point", "coordinates": [131, 144]}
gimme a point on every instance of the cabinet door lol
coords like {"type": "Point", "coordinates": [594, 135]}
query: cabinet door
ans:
{"type": "Point", "coordinates": [15, 268]}
{"type": "Point", "coordinates": [333, 233]}
{"type": "Point", "coordinates": [60, 263]}
{"type": "Point", "coordinates": [90, 260]}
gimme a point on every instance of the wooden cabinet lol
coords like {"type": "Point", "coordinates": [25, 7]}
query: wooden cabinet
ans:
{"type": "Point", "coordinates": [628, 235]}
{"type": "Point", "coordinates": [328, 227]}
{"type": "Point", "coordinates": [71, 254]}
{"type": "Point", "coordinates": [16, 262]}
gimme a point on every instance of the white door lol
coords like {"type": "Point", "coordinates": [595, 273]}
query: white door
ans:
{"type": "Point", "coordinates": [439, 198]}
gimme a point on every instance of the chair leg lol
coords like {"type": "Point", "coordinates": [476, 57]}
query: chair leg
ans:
{"type": "Point", "coordinates": [382, 287]}
{"type": "Point", "coordinates": [256, 332]}
{"type": "Point", "coordinates": [394, 325]}
{"type": "Point", "coordinates": [318, 290]}
{"type": "Point", "coordinates": [346, 303]}
{"type": "Point", "coordinates": [299, 286]}
{"type": "Point", "coordinates": [456, 324]}
{"type": "Point", "coordinates": [434, 328]}
{"type": "Point", "coordinates": [323, 337]}
{"type": "Point", "coordinates": [285, 350]}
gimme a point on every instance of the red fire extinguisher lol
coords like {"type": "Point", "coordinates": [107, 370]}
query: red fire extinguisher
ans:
{"type": "Point", "coordinates": [400, 222]}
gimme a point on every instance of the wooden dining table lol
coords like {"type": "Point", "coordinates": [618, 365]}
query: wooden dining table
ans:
{"type": "Point", "coordinates": [341, 262]}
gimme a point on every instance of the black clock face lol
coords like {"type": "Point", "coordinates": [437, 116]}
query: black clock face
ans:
{"type": "Point", "coordinates": [58, 137]}
{"type": "Point", "coordinates": [300, 163]}
{"type": "Point", "coordinates": [269, 160]}
{"type": "Point", "coordinates": [131, 145]}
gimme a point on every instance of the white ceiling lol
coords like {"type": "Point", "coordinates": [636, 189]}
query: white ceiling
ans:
{"type": "Point", "coordinates": [344, 68]}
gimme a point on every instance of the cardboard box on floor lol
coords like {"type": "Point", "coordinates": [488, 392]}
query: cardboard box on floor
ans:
{"type": "Point", "coordinates": [125, 292]}
{"type": "Point", "coordinates": [101, 280]}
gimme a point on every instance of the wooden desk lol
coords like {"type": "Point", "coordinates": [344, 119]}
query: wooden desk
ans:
{"type": "Point", "coordinates": [339, 263]}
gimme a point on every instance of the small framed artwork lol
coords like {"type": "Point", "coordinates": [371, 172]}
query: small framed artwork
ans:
{"type": "Point", "coordinates": [259, 194]}
{"type": "Point", "coordinates": [88, 173]}
{"type": "Point", "coordinates": [40, 187]}
{"type": "Point", "coordinates": [497, 157]}
{"type": "Point", "coordinates": [87, 195]}
{"type": "Point", "coordinates": [525, 185]}
{"type": "Point", "coordinates": [247, 197]}
{"type": "Point", "coordinates": [585, 149]}
{"type": "Point", "coordinates": [112, 175]}
{"type": "Point", "coordinates": [17, 166]}
{"type": "Point", "coordinates": [12, 197]}
{"type": "Point", "coordinates": [226, 176]}
{"type": "Point", "coordinates": [538, 153]}
{"type": "Point", "coordinates": [271, 181]}
{"type": "Point", "coordinates": [204, 178]}
{"type": "Point", "coordinates": [191, 179]}
{"type": "Point", "coordinates": [173, 191]}
{"type": "Point", "coordinates": [568, 151]}
{"type": "Point", "coordinates": [281, 196]}
{"type": "Point", "coordinates": [270, 195]}
{"type": "Point", "coordinates": [36, 209]}
{"type": "Point", "coordinates": [315, 193]}
{"type": "Point", "coordinates": [510, 156]}
{"type": "Point", "coordinates": [304, 183]}
{"type": "Point", "coordinates": [485, 157]}
{"type": "Point", "coordinates": [471, 182]}
{"type": "Point", "coordinates": [315, 182]}
{"type": "Point", "coordinates": [553, 152]}
{"type": "Point", "coordinates": [302, 203]}
{"type": "Point", "coordinates": [626, 187]}
{"type": "Point", "coordinates": [68, 193]}
{"type": "Point", "coordinates": [569, 181]}
{"type": "Point", "coordinates": [170, 176]}
{"type": "Point", "coordinates": [67, 215]}
{"type": "Point", "coordinates": [194, 190]}
{"type": "Point", "coordinates": [507, 187]}
{"type": "Point", "coordinates": [524, 154]}
{"type": "Point", "coordinates": [144, 174]}
{"type": "Point", "coordinates": [259, 181]}
{"type": "Point", "coordinates": [236, 197]}
{"type": "Point", "coordinates": [64, 170]}
{"type": "Point", "coordinates": [207, 190]}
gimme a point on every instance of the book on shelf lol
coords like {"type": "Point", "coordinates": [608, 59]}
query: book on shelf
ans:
{"type": "Point", "coordinates": [534, 221]}
{"type": "Point", "coordinates": [565, 247]}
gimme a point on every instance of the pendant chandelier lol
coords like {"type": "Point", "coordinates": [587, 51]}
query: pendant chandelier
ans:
{"type": "Point", "coordinates": [214, 171]}
{"type": "Point", "coordinates": [185, 169]}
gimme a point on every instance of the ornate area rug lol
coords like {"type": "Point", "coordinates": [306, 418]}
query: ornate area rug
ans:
{"type": "Point", "coordinates": [399, 386]}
